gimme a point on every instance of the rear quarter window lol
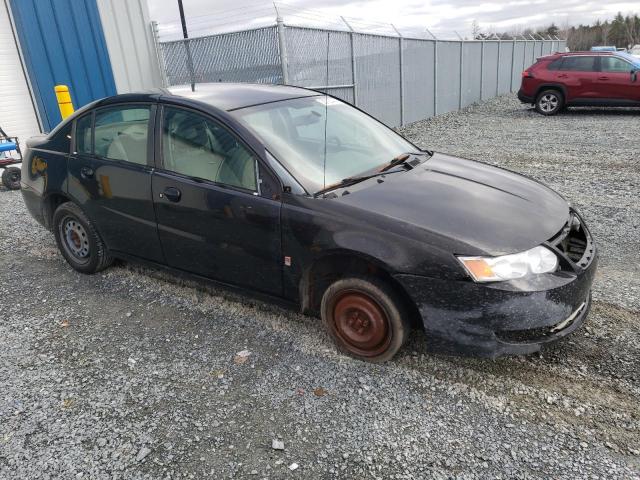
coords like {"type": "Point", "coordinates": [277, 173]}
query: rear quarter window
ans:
{"type": "Point", "coordinates": [555, 64]}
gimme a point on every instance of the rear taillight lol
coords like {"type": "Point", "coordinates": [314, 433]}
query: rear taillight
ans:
{"type": "Point", "coordinates": [527, 74]}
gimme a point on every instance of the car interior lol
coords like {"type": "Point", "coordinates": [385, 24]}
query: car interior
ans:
{"type": "Point", "coordinates": [121, 134]}
{"type": "Point", "coordinates": [196, 147]}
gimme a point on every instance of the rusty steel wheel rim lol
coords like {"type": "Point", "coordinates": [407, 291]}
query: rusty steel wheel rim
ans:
{"type": "Point", "coordinates": [75, 239]}
{"type": "Point", "coordinates": [361, 324]}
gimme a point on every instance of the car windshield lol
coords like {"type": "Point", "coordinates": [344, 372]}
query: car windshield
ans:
{"type": "Point", "coordinates": [322, 140]}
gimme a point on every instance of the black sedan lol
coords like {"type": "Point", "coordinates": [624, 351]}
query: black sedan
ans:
{"type": "Point", "coordinates": [298, 196]}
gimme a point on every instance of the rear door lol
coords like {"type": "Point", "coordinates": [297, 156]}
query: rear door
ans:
{"type": "Point", "coordinates": [110, 177]}
{"type": "Point", "coordinates": [579, 74]}
{"type": "Point", "coordinates": [615, 80]}
{"type": "Point", "coordinates": [214, 217]}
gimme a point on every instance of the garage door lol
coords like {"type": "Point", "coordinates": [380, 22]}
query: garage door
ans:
{"type": "Point", "coordinates": [17, 113]}
{"type": "Point", "coordinates": [63, 43]}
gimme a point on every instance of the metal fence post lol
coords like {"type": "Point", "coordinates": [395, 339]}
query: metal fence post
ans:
{"type": "Point", "coordinates": [282, 43]}
{"type": "Point", "coordinates": [435, 77]}
{"type": "Point", "coordinates": [513, 60]}
{"type": "Point", "coordinates": [461, 73]}
{"type": "Point", "coordinates": [401, 45]}
{"type": "Point", "coordinates": [354, 77]}
{"type": "Point", "coordinates": [481, 69]}
{"type": "Point", "coordinates": [159, 56]}
{"type": "Point", "coordinates": [498, 68]}
{"type": "Point", "coordinates": [401, 59]}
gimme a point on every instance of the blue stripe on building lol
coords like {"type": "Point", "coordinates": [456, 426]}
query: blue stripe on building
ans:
{"type": "Point", "coordinates": [63, 43]}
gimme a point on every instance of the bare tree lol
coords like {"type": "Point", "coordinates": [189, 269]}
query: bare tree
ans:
{"type": "Point", "coordinates": [632, 30]}
{"type": "Point", "coordinates": [475, 29]}
{"type": "Point", "coordinates": [605, 28]}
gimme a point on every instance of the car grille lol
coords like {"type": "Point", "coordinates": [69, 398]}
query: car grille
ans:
{"type": "Point", "coordinates": [575, 242]}
{"type": "Point", "coordinates": [540, 334]}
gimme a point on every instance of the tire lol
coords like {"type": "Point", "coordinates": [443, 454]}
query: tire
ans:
{"type": "Point", "coordinates": [366, 318]}
{"type": "Point", "coordinates": [11, 178]}
{"type": "Point", "coordinates": [549, 102]}
{"type": "Point", "coordinates": [78, 240]}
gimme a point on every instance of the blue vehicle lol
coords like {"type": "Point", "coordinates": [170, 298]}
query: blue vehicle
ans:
{"type": "Point", "coordinates": [10, 175]}
{"type": "Point", "coordinates": [604, 49]}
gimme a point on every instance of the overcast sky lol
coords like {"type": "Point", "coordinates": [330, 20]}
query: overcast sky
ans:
{"type": "Point", "coordinates": [441, 16]}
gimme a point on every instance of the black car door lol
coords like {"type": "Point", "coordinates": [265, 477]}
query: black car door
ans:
{"type": "Point", "coordinates": [110, 177]}
{"type": "Point", "coordinates": [213, 219]}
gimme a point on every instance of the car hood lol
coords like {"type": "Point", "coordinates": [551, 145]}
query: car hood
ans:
{"type": "Point", "coordinates": [481, 209]}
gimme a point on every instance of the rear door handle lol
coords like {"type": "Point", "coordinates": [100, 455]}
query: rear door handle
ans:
{"type": "Point", "coordinates": [563, 76]}
{"type": "Point", "coordinates": [603, 78]}
{"type": "Point", "coordinates": [86, 172]}
{"type": "Point", "coordinates": [172, 194]}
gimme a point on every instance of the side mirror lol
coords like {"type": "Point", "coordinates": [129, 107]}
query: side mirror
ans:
{"type": "Point", "coordinates": [634, 75]}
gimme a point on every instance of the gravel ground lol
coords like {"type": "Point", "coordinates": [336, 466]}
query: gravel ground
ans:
{"type": "Point", "coordinates": [134, 373]}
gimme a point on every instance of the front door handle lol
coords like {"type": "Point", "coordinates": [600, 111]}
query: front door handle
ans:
{"type": "Point", "coordinates": [172, 194]}
{"type": "Point", "coordinates": [563, 75]}
{"type": "Point", "coordinates": [86, 172]}
{"type": "Point", "coordinates": [603, 78]}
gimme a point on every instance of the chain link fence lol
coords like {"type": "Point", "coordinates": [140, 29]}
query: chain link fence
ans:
{"type": "Point", "coordinates": [398, 80]}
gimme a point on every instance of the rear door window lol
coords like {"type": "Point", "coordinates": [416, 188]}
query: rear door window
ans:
{"type": "Point", "coordinates": [121, 133]}
{"type": "Point", "coordinates": [579, 64]}
{"type": "Point", "coordinates": [614, 65]}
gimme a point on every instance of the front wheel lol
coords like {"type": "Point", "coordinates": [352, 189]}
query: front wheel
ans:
{"type": "Point", "coordinates": [366, 318]}
{"type": "Point", "coordinates": [549, 102]}
{"type": "Point", "coordinates": [78, 240]}
{"type": "Point", "coordinates": [11, 178]}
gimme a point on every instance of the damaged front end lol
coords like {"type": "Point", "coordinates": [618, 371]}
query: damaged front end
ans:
{"type": "Point", "coordinates": [511, 317]}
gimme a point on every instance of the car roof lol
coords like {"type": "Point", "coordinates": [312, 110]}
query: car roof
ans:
{"type": "Point", "coordinates": [591, 53]}
{"type": "Point", "coordinates": [233, 96]}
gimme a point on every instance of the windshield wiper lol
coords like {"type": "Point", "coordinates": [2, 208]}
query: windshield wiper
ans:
{"type": "Point", "coordinates": [402, 160]}
{"type": "Point", "coordinates": [347, 182]}
{"type": "Point", "coordinates": [399, 160]}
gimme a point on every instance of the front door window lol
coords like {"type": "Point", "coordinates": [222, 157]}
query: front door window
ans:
{"type": "Point", "coordinates": [198, 147]}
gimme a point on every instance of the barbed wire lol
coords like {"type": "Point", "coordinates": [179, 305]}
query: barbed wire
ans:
{"type": "Point", "coordinates": [257, 15]}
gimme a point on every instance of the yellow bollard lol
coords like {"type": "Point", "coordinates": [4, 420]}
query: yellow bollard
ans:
{"type": "Point", "coordinates": [64, 100]}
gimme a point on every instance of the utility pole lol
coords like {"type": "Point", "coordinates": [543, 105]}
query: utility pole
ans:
{"type": "Point", "coordinates": [185, 35]}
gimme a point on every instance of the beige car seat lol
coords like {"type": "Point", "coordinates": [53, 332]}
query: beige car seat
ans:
{"type": "Point", "coordinates": [130, 144]}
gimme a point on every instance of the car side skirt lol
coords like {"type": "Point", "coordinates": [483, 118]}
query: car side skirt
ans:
{"type": "Point", "coordinates": [231, 288]}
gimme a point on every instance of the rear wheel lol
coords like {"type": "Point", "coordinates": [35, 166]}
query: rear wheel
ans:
{"type": "Point", "coordinates": [366, 318]}
{"type": "Point", "coordinates": [11, 178]}
{"type": "Point", "coordinates": [549, 102]}
{"type": "Point", "coordinates": [78, 240]}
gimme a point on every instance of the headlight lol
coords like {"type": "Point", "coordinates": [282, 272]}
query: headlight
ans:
{"type": "Point", "coordinates": [510, 267]}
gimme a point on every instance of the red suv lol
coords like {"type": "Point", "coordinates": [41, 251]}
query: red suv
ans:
{"type": "Point", "coordinates": [590, 79]}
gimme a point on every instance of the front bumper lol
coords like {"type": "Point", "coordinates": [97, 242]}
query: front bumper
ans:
{"type": "Point", "coordinates": [506, 318]}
